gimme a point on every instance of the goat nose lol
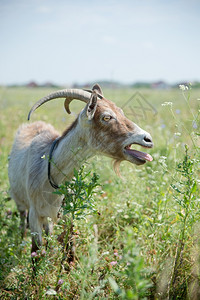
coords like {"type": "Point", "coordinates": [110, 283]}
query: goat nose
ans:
{"type": "Point", "coordinates": [148, 139]}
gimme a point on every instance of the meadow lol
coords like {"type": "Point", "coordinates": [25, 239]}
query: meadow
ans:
{"type": "Point", "coordinates": [142, 240]}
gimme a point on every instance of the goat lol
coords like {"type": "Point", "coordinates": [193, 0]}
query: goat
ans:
{"type": "Point", "coordinates": [100, 128]}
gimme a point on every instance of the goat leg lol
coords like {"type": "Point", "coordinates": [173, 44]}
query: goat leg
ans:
{"type": "Point", "coordinates": [23, 216]}
{"type": "Point", "coordinates": [70, 246]}
{"type": "Point", "coordinates": [48, 230]}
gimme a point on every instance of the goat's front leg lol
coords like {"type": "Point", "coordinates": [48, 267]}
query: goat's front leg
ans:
{"type": "Point", "coordinates": [47, 226]}
{"type": "Point", "coordinates": [23, 223]}
{"type": "Point", "coordinates": [48, 229]}
{"type": "Point", "coordinates": [36, 229]}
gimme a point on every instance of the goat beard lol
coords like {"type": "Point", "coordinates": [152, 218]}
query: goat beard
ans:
{"type": "Point", "coordinates": [116, 165]}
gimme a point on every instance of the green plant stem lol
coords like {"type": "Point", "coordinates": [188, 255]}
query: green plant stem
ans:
{"type": "Point", "coordinates": [181, 245]}
{"type": "Point", "coordinates": [64, 254]}
{"type": "Point", "coordinates": [180, 123]}
{"type": "Point", "coordinates": [187, 102]}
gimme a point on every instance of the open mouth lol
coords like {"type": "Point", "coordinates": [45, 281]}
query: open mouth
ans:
{"type": "Point", "coordinates": [139, 155]}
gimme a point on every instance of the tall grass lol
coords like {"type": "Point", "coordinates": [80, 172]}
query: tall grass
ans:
{"type": "Point", "coordinates": [144, 241]}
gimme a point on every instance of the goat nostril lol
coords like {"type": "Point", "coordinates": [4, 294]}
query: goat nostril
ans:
{"type": "Point", "coordinates": [147, 139]}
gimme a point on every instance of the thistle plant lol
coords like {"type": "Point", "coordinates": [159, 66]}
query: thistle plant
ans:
{"type": "Point", "coordinates": [78, 202]}
{"type": "Point", "coordinates": [78, 194]}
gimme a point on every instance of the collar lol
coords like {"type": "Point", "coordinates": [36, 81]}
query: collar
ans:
{"type": "Point", "coordinates": [53, 146]}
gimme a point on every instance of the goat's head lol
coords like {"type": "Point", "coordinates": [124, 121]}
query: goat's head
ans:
{"type": "Point", "coordinates": [108, 130]}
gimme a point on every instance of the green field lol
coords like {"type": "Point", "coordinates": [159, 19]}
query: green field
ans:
{"type": "Point", "coordinates": [144, 241]}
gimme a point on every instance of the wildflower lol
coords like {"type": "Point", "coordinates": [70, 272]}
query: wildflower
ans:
{"type": "Point", "coordinates": [167, 103]}
{"type": "Point", "coordinates": [51, 292]}
{"type": "Point", "coordinates": [43, 252]}
{"type": "Point", "coordinates": [183, 87]}
{"type": "Point", "coordinates": [163, 126]}
{"type": "Point", "coordinates": [105, 253]}
{"type": "Point", "coordinates": [60, 282]}
{"type": "Point", "coordinates": [177, 134]}
{"type": "Point", "coordinates": [194, 124]}
{"type": "Point", "coordinates": [178, 111]}
{"type": "Point", "coordinates": [113, 263]}
{"type": "Point", "coordinates": [33, 254]}
{"type": "Point", "coordinates": [116, 252]}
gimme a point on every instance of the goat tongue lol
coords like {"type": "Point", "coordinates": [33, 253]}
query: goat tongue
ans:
{"type": "Point", "coordinates": [140, 155]}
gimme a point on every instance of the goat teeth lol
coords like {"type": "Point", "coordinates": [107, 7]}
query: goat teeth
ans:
{"type": "Point", "coordinates": [128, 147]}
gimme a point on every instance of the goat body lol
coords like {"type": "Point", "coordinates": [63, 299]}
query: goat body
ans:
{"type": "Point", "coordinates": [100, 128]}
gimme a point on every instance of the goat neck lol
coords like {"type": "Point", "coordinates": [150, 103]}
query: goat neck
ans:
{"type": "Point", "coordinates": [70, 153]}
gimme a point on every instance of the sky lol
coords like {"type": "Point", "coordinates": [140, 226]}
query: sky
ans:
{"type": "Point", "coordinates": [76, 41]}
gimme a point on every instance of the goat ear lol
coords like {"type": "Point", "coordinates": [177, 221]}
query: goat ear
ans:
{"type": "Point", "coordinates": [97, 89]}
{"type": "Point", "coordinates": [92, 105]}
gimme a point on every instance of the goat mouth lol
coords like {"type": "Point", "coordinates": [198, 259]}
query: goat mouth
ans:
{"type": "Point", "coordinates": [139, 156]}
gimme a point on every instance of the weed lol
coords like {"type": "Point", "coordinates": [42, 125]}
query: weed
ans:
{"type": "Point", "coordinates": [77, 204]}
{"type": "Point", "coordinates": [185, 194]}
{"type": "Point", "coordinates": [132, 275]}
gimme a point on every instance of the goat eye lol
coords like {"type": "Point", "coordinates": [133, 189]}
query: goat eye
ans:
{"type": "Point", "coordinates": [107, 118]}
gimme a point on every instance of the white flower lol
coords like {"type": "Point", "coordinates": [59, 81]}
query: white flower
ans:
{"type": "Point", "coordinates": [177, 133]}
{"type": "Point", "coordinates": [167, 103]}
{"type": "Point", "coordinates": [51, 292]}
{"type": "Point", "coordinates": [183, 87]}
{"type": "Point", "coordinates": [105, 253]}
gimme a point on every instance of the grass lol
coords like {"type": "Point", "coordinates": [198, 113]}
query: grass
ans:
{"type": "Point", "coordinates": [144, 241]}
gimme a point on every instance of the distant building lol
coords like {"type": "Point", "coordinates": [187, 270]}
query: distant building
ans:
{"type": "Point", "coordinates": [160, 85]}
{"type": "Point", "coordinates": [32, 84]}
{"type": "Point", "coordinates": [49, 84]}
{"type": "Point", "coordinates": [103, 83]}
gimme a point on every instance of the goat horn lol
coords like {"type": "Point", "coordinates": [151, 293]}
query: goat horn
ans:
{"type": "Point", "coordinates": [69, 94]}
{"type": "Point", "coordinates": [69, 99]}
